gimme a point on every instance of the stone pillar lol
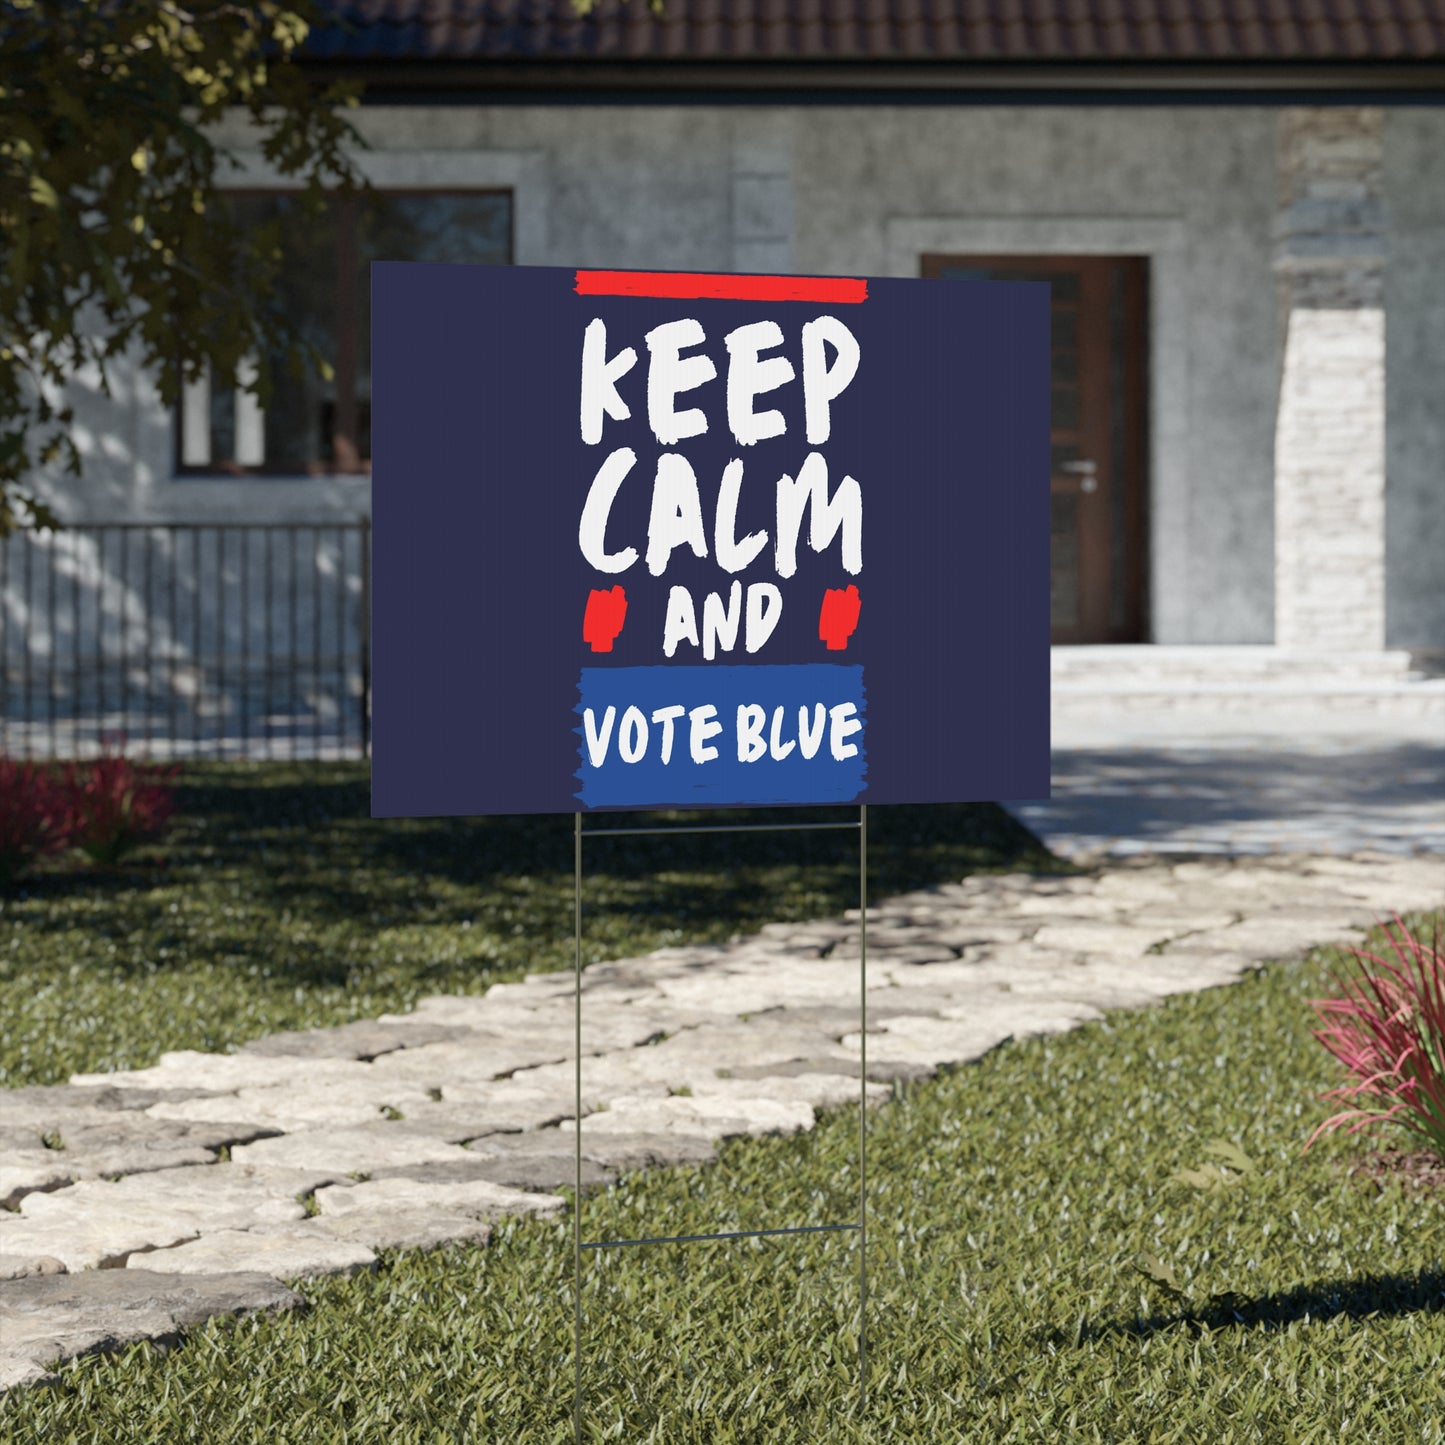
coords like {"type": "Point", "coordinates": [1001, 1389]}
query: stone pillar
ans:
{"type": "Point", "coordinates": [1329, 461]}
{"type": "Point", "coordinates": [762, 193]}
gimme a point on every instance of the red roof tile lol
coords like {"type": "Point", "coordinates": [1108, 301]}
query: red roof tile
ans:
{"type": "Point", "coordinates": [1036, 31]}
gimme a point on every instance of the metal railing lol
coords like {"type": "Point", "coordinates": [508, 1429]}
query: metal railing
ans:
{"type": "Point", "coordinates": [186, 640]}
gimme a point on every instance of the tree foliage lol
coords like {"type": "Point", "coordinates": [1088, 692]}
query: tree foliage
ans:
{"type": "Point", "coordinates": [112, 236]}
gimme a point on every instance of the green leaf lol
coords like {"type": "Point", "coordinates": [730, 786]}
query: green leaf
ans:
{"type": "Point", "coordinates": [1233, 1165]}
{"type": "Point", "coordinates": [43, 193]}
{"type": "Point", "coordinates": [1160, 1271]}
{"type": "Point", "coordinates": [1209, 1177]}
{"type": "Point", "coordinates": [1230, 1154]}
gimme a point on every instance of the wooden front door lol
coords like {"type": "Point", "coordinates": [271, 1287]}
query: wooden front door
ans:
{"type": "Point", "coordinates": [1097, 431]}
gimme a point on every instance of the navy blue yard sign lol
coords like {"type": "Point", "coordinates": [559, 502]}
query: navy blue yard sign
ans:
{"type": "Point", "coordinates": [647, 540]}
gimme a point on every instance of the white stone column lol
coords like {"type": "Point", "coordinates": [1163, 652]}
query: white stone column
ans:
{"type": "Point", "coordinates": [1329, 463]}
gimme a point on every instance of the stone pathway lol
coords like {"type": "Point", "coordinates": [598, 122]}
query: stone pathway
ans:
{"type": "Point", "coordinates": [125, 1219]}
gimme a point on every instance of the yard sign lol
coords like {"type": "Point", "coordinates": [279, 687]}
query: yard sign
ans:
{"type": "Point", "coordinates": [649, 540]}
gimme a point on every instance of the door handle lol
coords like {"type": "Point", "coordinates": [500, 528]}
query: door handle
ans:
{"type": "Point", "coordinates": [1084, 470]}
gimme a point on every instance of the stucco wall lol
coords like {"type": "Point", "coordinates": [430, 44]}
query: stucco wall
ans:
{"type": "Point", "coordinates": [864, 190]}
{"type": "Point", "coordinates": [1415, 380]}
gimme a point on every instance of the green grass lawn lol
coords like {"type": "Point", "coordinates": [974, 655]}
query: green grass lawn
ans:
{"type": "Point", "coordinates": [277, 903]}
{"type": "Point", "coordinates": [1010, 1202]}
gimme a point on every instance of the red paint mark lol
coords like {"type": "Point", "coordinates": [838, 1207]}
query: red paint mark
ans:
{"type": "Point", "coordinates": [838, 616]}
{"type": "Point", "coordinates": [606, 612]}
{"type": "Point", "coordinates": [690, 286]}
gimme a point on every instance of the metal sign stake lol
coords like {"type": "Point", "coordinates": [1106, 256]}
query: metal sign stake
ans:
{"type": "Point", "coordinates": [861, 826]}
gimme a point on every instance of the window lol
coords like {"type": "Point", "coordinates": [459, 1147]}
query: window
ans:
{"type": "Point", "coordinates": [323, 428]}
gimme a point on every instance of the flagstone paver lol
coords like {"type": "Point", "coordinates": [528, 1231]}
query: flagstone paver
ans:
{"type": "Point", "coordinates": [25, 1266]}
{"type": "Point", "coordinates": [413, 1130]}
{"type": "Point", "coordinates": [297, 1252]}
{"type": "Point", "coordinates": [225, 1073]}
{"type": "Point", "coordinates": [356, 1150]}
{"type": "Point", "coordinates": [364, 1040]}
{"type": "Point", "coordinates": [410, 1198]}
{"type": "Point", "coordinates": [51, 1317]}
{"type": "Point", "coordinates": [542, 1172]}
{"type": "Point", "coordinates": [100, 1223]}
{"type": "Point", "coordinates": [621, 1151]}
{"type": "Point", "coordinates": [30, 1173]}
{"type": "Point", "coordinates": [389, 1229]}
{"type": "Point", "coordinates": [751, 1115]}
{"type": "Point", "coordinates": [468, 1110]}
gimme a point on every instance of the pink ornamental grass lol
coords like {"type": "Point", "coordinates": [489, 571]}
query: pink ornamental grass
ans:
{"type": "Point", "coordinates": [115, 806]}
{"type": "Point", "coordinates": [1388, 1030]}
{"type": "Point", "coordinates": [35, 816]}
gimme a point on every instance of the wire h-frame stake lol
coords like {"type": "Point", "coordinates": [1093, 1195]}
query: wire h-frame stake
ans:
{"type": "Point", "coordinates": [861, 827]}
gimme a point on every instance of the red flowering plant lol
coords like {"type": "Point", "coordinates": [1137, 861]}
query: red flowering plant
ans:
{"type": "Point", "coordinates": [115, 806]}
{"type": "Point", "coordinates": [34, 816]}
{"type": "Point", "coordinates": [1388, 1030]}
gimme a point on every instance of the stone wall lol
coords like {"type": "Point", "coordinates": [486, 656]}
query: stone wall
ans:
{"type": "Point", "coordinates": [1329, 475]}
{"type": "Point", "coordinates": [1415, 380]}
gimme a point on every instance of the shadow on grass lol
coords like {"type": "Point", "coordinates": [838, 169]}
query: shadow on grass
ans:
{"type": "Point", "coordinates": [76, 879]}
{"type": "Point", "coordinates": [724, 878]}
{"type": "Point", "coordinates": [312, 834]}
{"type": "Point", "coordinates": [1361, 1298]}
{"type": "Point", "coordinates": [260, 854]}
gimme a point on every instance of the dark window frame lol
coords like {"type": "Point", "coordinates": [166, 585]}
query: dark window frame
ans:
{"type": "Point", "coordinates": [347, 461]}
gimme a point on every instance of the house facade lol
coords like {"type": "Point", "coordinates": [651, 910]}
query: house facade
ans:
{"type": "Point", "coordinates": [1240, 210]}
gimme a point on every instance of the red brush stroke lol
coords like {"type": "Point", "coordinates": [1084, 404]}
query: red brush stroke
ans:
{"type": "Point", "coordinates": [838, 616]}
{"type": "Point", "coordinates": [691, 286]}
{"type": "Point", "coordinates": [606, 612]}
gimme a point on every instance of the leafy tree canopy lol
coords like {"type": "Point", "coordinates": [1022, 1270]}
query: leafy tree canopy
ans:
{"type": "Point", "coordinates": [112, 238]}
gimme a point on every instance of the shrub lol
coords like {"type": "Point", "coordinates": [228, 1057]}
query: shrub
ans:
{"type": "Point", "coordinates": [34, 816]}
{"type": "Point", "coordinates": [1388, 1030]}
{"type": "Point", "coordinates": [115, 805]}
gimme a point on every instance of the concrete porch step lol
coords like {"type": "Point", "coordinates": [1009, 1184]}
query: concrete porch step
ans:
{"type": "Point", "coordinates": [1206, 667]}
{"type": "Point", "coordinates": [1243, 683]}
{"type": "Point", "coordinates": [1422, 699]}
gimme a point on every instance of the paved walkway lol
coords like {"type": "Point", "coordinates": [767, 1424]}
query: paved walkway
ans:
{"type": "Point", "coordinates": [412, 1130]}
{"type": "Point", "coordinates": [1185, 782]}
